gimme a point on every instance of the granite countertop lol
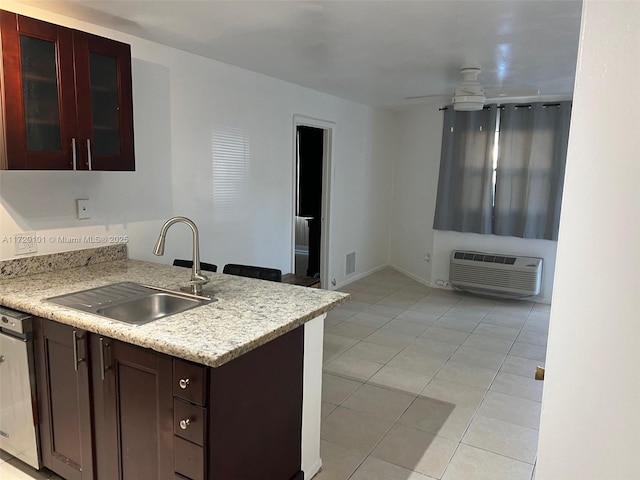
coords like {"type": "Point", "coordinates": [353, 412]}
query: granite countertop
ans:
{"type": "Point", "coordinates": [248, 312]}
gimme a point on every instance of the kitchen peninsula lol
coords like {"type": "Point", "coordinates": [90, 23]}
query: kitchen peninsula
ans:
{"type": "Point", "coordinates": [230, 389]}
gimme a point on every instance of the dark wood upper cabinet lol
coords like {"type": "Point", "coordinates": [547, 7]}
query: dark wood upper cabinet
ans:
{"type": "Point", "coordinates": [66, 96]}
{"type": "Point", "coordinates": [38, 93]}
{"type": "Point", "coordinates": [104, 102]}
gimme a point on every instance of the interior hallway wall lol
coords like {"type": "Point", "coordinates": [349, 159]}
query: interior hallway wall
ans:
{"type": "Point", "coordinates": [590, 426]}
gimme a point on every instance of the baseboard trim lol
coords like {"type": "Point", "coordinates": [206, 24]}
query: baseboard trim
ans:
{"type": "Point", "coordinates": [311, 472]}
{"type": "Point", "coordinates": [356, 277]}
{"type": "Point", "coordinates": [414, 277]}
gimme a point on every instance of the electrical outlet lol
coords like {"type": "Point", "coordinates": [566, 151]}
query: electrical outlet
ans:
{"type": "Point", "coordinates": [25, 243]}
{"type": "Point", "coordinates": [83, 208]}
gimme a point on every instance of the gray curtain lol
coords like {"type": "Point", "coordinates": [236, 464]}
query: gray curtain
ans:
{"type": "Point", "coordinates": [532, 154]}
{"type": "Point", "coordinates": [465, 196]}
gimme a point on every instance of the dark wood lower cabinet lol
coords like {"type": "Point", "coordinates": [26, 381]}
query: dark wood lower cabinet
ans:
{"type": "Point", "coordinates": [133, 411]}
{"type": "Point", "coordinates": [64, 399]}
{"type": "Point", "coordinates": [113, 411]}
{"type": "Point", "coordinates": [255, 412]}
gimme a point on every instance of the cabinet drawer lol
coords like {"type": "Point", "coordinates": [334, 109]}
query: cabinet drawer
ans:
{"type": "Point", "coordinates": [188, 459]}
{"type": "Point", "coordinates": [188, 421]}
{"type": "Point", "coordinates": [189, 381]}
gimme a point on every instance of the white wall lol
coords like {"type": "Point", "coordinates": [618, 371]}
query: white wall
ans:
{"type": "Point", "coordinates": [181, 103]}
{"type": "Point", "coordinates": [590, 425]}
{"type": "Point", "coordinates": [414, 201]}
{"type": "Point", "coordinates": [414, 190]}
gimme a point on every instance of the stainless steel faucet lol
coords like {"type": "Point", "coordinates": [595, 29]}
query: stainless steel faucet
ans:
{"type": "Point", "coordinates": [197, 279]}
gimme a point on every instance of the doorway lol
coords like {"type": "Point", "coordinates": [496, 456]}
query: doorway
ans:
{"type": "Point", "coordinates": [310, 221]}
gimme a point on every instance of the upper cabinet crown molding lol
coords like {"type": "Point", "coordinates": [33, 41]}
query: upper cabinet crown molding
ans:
{"type": "Point", "coordinates": [66, 96]}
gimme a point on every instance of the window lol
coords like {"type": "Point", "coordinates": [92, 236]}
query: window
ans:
{"type": "Point", "coordinates": [502, 170]}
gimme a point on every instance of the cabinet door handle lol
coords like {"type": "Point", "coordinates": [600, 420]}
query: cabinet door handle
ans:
{"type": "Point", "coordinates": [76, 360]}
{"type": "Point", "coordinates": [103, 367]}
{"type": "Point", "coordinates": [74, 154]}
{"type": "Point", "coordinates": [184, 383]}
{"type": "Point", "coordinates": [89, 153]}
{"type": "Point", "coordinates": [184, 424]}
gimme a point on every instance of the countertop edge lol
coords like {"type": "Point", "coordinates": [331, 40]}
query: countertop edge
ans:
{"type": "Point", "coordinates": [72, 318]}
{"type": "Point", "coordinates": [38, 306]}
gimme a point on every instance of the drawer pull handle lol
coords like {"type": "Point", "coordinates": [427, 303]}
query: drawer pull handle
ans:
{"type": "Point", "coordinates": [184, 383]}
{"type": "Point", "coordinates": [184, 424]}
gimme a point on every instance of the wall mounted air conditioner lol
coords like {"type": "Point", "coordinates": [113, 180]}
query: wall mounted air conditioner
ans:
{"type": "Point", "coordinates": [495, 274]}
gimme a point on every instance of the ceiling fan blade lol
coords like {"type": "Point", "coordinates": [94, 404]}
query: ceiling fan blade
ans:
{"type": "Point", "coordinates": [511, 92]}
{"type": "Point", "coordinates": [435, 95]}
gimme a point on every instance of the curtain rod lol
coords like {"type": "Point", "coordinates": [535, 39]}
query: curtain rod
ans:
{"type": "Point", "coordinates": [486, 107]}
{"type": "Point", "coordinates": [528, 105]}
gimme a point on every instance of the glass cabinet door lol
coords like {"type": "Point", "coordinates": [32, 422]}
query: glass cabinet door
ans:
{"type": "Point", "coordinates": [104, 104]}
{"type": "Point", "coordinates": [103, 70]}
{"type": "Point", "coordinates": [38, 94]}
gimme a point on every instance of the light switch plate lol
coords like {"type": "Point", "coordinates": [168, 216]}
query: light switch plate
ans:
{"type": "Point", "coordinates": [83, 208]}
{"type": "Point", "coordinates": [25, 243]}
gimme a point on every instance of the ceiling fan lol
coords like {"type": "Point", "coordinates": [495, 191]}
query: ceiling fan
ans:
{"type": "Point", "coordinates": [471, 96]}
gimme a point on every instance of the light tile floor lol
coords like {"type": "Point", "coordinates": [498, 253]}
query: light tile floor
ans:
{"type": "Point", "coordinates": [13, 469]}
{"type": "Point", "coordinates": [422, 383]}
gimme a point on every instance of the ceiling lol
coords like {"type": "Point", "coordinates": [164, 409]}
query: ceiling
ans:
{"type": "Point", "coordinates": [372, 52]}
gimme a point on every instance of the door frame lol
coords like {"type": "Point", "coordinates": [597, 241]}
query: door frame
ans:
{"type": "Point", "coordinates": [327, 175]}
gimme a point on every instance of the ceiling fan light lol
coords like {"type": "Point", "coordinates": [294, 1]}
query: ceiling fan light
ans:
{"type": "Point", "coordinates": [468, 103]}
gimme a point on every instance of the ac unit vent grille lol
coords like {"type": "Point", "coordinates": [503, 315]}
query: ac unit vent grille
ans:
{"type": "Point", "coordinates": [481, 257]}
{"type": "Point", "coordinates": [351, 263]}
{"type": "Point", "coordinates": [496, 273]}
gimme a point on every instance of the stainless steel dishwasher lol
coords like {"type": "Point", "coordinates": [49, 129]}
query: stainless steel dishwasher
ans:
{"type": "Point", "coordinates": [18, 405]}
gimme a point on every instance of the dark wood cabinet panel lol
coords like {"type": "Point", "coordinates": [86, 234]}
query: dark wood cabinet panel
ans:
{"type": "Point", "coordinates": [39, 97]}
{"type": "Point", "coordinates": [67, 97]}
{"type": "Point", "coordinates": [133, 411]}
{"type": "Point", "coordinates": [255, 412]}
{"type": "Point", "coordinates": [62, 369]}
{"type": "Point", "coordinates": [105, 113]}
{"type": "Point", "coordinates": [189, 460]}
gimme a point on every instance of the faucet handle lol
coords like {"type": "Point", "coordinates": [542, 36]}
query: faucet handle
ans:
{"type": "Point", "coordinates": [199, 280]}
{"type": "Point", "coordinates": [196, 283]}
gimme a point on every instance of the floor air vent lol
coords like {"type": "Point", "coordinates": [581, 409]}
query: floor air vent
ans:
{"type": "Point", "coordinates": [495, 274]}
{"type": "Point", "coordinates": [351, 263]}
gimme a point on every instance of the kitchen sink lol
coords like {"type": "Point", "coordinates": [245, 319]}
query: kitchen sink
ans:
{"type": "Point", "coordinates": [148, 308]}
{"type": "Point", "coordinates": [130, 302]}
